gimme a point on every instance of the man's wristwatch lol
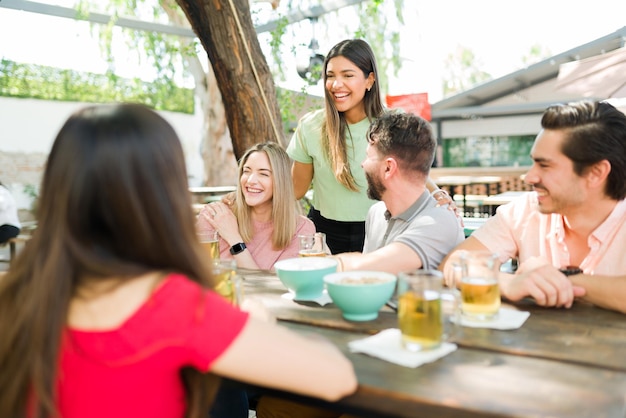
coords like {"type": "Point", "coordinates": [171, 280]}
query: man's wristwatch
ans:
{"type": "Point", "coordinates": [571, 270]}
{"type": "Point", "coordinates": [237, 248]}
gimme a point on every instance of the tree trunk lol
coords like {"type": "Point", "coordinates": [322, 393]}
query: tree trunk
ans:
{"type": "Point", "coordinates": [216, 144]}
{"type": "Point", "coordinates": [226, 31]}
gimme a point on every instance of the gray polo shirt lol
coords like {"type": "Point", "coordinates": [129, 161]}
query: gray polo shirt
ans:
{"type": "Point", "coordinates": [431, 231]}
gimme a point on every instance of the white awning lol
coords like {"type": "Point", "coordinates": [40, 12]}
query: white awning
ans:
{"type": "Point", "coordinates": [600, 76]}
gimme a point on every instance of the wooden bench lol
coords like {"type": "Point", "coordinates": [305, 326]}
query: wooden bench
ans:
{"type": "Point", "coordinates": [13, 243]}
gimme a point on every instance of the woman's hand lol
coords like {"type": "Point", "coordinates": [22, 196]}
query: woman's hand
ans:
{"type": "Point", "coordinates": [223, 220]}
{"type": "Point", "coordinates": [443, 198]}
{"type": "Point", "coordinates": [256, 309]}
{"type": "Point", "coordinates": [229, 198]}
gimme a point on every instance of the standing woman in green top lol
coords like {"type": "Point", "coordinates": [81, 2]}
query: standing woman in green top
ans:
{"type": "Point", "coordinates": [329, 145]}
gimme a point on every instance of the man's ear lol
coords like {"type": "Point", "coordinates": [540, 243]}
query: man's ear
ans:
{"type": "Point", "coordinates": [597, 173]}
{"type": "Point", "coordinates": [390, 167]}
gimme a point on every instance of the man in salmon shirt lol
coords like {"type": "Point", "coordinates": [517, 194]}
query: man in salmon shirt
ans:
{"type": "Point", "coordinates": [569, 234]}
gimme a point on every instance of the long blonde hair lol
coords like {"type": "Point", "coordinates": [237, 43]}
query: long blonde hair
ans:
{"type": "Point", "coordinates": [284, 205]}
{"type": "Point", "coordinates": [335, 127]}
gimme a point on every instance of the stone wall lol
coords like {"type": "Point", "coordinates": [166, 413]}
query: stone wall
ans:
{"type": "Point", "coordinates": [28, 128]}
{"type": "Point", "coordinates": [22, 167]}
{"type": "Point", "coordinates": [19, 170]}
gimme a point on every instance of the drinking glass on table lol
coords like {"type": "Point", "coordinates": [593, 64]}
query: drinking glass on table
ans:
{"type": "Point", "coordinates": [211, 243]}
{"type": "Point", "coordinates": [228, 282]}
{"type": "Point", "coordinates": [480, 292]}
{"type": "Point", "coordinates": [313, 245]}
{"type": "Point", "coordinates": [428, 314]}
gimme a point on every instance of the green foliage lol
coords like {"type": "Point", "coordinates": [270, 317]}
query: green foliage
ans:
{"type": "Point", "coordinates": [276, 43]}
{"type": "Point", "coordinates": [293, 104]}
{"type": "Point", "coordinates": [371, 20]}
{"type": "Point", "coordinates": [32, 192]}
{"type": "Point", "coordinates": [536, 54]}
{"type": "Point", "coordinates": [47, 83]}
{"type": "Point", "coordinates": [463, 71]}
{"type": "Point", "coordinates": [165, 53]}
{"type": "Point", "coordinates": [374, 25]}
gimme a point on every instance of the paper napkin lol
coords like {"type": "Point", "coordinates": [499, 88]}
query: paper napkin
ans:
{"type": "Point", "coordinates": [324, 299]}
{"type": "Point", "coordinates": [387, 345]}
{"type": "Point", "coordinates": [507, 319]}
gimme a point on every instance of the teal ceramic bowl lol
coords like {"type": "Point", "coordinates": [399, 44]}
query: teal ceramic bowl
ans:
{"type": "Point", "coordinates": [360, 294]}
{"type": "Point", "coordinates": [304, 276]}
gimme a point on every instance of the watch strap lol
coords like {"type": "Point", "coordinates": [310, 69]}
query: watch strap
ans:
{"type": "Point", "coordinates": [571, 270]}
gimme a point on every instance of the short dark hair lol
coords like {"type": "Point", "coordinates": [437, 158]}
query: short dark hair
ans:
{"type": "Point", "coordinates": [407, 137]}
{"type": "Point", "coordinates": [595, 131]}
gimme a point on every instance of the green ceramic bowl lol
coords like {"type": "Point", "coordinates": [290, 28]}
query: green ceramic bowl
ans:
{"type": "Point", "coordinates": [304, 275]}
{"type": "Point", "coordinates": [360, 294]}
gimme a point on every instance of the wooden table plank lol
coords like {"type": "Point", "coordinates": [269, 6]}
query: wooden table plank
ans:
{"type": "Point", "coordinates": [581, 335]}
{"type": "Point", "coordinates": [476, 383]}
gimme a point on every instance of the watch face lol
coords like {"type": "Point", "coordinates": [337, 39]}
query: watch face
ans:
{"type": "Point", "coordinates": [237, 248]}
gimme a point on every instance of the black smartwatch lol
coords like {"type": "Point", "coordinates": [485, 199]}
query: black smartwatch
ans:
{"type": "Point", "coordinates": [571, 270]}
{"type": "Point", "coordinates": [237, 248]}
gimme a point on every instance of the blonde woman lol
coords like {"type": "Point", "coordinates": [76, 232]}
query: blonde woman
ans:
{"type": "Point", "coordinates": [248, 229]}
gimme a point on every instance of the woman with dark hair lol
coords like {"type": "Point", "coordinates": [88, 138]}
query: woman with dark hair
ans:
{"type": "Point", "coordinates": [109, 310]}
{"type": "Point", "coordinates": [9, 221]}
{"type": "Point", "coordinates": [329, 145]}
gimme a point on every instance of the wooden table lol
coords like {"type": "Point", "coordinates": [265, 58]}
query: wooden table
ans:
{"type": "Point", "coordinates": [202, 195]}
{"type": "Point", "coordinates": [560, 363]}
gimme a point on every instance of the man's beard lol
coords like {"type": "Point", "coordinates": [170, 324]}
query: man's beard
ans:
{"type": "Point", "coordinates": [375, 188]}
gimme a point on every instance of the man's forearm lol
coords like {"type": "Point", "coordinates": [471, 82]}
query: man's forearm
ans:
{"type": "Point", "coordinates": [606, 291]}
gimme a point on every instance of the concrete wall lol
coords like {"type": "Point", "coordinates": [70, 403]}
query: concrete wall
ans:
{"type": "Point", "coordinates": [28, 128]}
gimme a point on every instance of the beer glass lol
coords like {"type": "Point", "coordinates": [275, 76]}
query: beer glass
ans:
{"type": "Point", "coordinates": [228, 283]}
{"type": "Point", "coordinates": [480, 292]}
{"type": "Point", "coordinates": [211, 243]}
{"type": "Point", "coordinates": [313, 245]}
{"type": "Point", "coordinates": [427, 313]}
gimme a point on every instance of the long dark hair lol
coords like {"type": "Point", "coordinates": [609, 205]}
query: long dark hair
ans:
{"type": "Point", "coordinates": [335, 126]}
{"type": "Point", "coordinates": [114, 203]}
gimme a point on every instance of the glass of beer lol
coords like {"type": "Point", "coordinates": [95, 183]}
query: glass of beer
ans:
{"type": "Point", "coordinates": [427, 313]}
{"type": "Point", "coordinates": [480, 292]}
{"type": "Point", "coordinates": [313, 245]}
{"type": "Point", "coordinates": [210, 240]}
{"type": "Point", "coordinates": [228, 285]}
